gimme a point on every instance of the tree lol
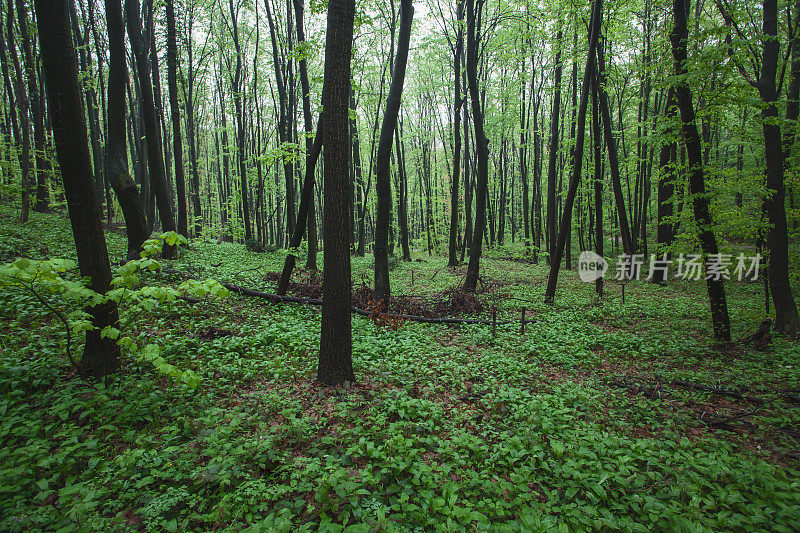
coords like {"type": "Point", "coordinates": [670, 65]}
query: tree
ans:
{"type": "Point", "coordinates": [101, 355]}
{"type": "Point", "coordinates": [458, 101]}
{"type": "Point", "coordinates": [37, 113]}
{"type": "Point", "coordinates": [382, 159]}
{"type": "Point", "coordinates": [691, 137]}
{"type": "Point", "coordinates": [552, 229]}
{"type": "Point", "coordinates": [22, 101]}
{"type": "Point", "coordinates": [765, 70]}
{"type": "Point", "coordinates": [116, 157]}
{"type": "Point", "coordinates": [565, 228]}
{"type": "Point", "coordinates": [336, 345]}
{"type": "Point", "coordinates": [474, 14]}
{"type": "Point", "coordinates": [152, 133]}
{"type": "Point", "coordinates": [175, 115]}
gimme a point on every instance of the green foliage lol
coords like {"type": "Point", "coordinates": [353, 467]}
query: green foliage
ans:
{"type": "Point", "coordinates": [445, 429]}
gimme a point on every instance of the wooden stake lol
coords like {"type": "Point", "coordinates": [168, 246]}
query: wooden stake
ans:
{"type": "Point", "coordinates": [522, 323]}
{"type": "Point", "coordinates": [494, 321]}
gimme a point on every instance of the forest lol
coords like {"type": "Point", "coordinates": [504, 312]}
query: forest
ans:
{"type": "Point", "coordinates": [401, 266]}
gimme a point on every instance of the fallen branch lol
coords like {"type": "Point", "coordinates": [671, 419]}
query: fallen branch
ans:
{"type": "Point", "coordinates": [365, 312]}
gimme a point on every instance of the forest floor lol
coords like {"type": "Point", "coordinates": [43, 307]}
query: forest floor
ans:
{"type": "Point", "coordinates": [602, 415]}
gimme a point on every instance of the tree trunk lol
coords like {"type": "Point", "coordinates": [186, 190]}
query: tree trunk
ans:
{"type": "Point", "coordinates": [101, 355]}
{"type": "Point", "coordinates": [452, 250]}
{"type": "Point", "coordinates": [598, 180]}
{"type": "Point", "coordinates": [552, 167]}
{"type": "Point", "coordinates": [786, 316]}
{"type": "Point", "coordinates": [666, 188]}
{"type": "Point", "coordinates": [628, 245]}
{"type": "Point", "coordinates": [116, 167]}
{"type": "Point", "coordinates": [577, 158]}
{"type": "Point", "coordinates": [691, 137]}
{"type": "Point", "coordinates": [172, 85]}
{"type": "Point", "coordinates": [37, 113]}
{"type": "Point", "coordinates": [155, 155]}
{"type": "Point", "coordinates": [382, 158]}
{"type": "Point", "coordinates": [474, 14]}
{"type": "Point", "coordinates": [335, 350]}
{"type": "Point", "coordinates": [24, 126]}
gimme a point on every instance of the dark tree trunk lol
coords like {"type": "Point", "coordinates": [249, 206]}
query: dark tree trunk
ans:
{"type": "Point", "coordinates": [786, 316]}
{"type": "Point", "coordinates": [101, 355]}
{"type": "Point", "coordinates": [240, 130]}
{"type": "Point", "coordinates": [37, 113]}
{"type": "Point", "coordinates": [283, 121]}
{"type": "Point", "coordinates": [598, 180]}
{"type": "Point", "coordinates": [382, 158]}
{"type": "Point", "coordinates": [577, 157]}
{"type": "Point", "coordinates": [310, 216]}
{"type": "Point", "coordinates": [90, 99]}
{"type": "Point", "coordinates": [155, 155]}
{"type": "Point", "coordinates": [628, 245]}
{"type": "Point", "coordinates": [402, 193]}
{"type": "Point", "coordinates": [666, 188]}
{"type": "Point", "coordinates": [474, 14]}
{"type": "Point", "coordinates": [691, 137]}
{"type": "Point", "coordinates": [304, 212]}
{"type": "Point", "coordinates": [552, 168]}
{"type": "Point", "coordinates": [116, 167]}
{"type": "Point", "coordinates": [335, 350]}
{"type": "Point", "coordinates": [452, 250]}
{"type": "Point", "coordinates": [172, 85]}
{"type": "Point", "coordinates": [24, 125]}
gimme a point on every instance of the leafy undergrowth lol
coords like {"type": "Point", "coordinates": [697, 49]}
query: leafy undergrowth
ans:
{"type": "Point", "coordinates": [576, 424]}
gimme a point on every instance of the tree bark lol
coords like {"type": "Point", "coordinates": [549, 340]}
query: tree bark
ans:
{"type": "Point", "coordinates": [452, 250]}
{"type": "Point", "coordinates": [177, 144]}
{"type": "Point", "coordinates": [101, 355]}
{"type": "Point", "coordinates": [382, 158]}
{"type": "Point", "coordinates": [551, 166]}
{"type": "Point", "coordinates": [37, 113]}
{"type": "Point", "coordinates": [666, 188]}
{"type": "Point", "coordinates": [335, 350]}
{"type": "Point", "coordinates": [628, 245]}
{"type": "Point", "coordinates": [155, 154]}
{"type": "Point", "coordinates": [116, 167]}
{"type": "Point", "coordinates": [691, 137]}
{"type": "Point", "coordinates": [474, 14]}
{"type": "Point", "coordinates": [577, 158]}
{"type": "Point", "coordinates": [24, 126]}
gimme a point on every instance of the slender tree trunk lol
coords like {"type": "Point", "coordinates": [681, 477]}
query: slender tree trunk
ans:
{"type": "Point", "coordinates": [24, 126]}
{"type": "Point", "coordinates": [155, 155]}
{"type": "Point", "coordinates": [116, 167]}
{"type": "Point", "coordinates": [628, 245]}
{"type": "Point", "coordinates": [452, 250]}
{"type": "Point", "coordinates": [666, 189]}
{"type": "Point", "coordinates": [37, 112]}
{"type": "Point", "coordinates": [552, 168]}
{"type": "Point", "coordinates": [101, 355]}
{"type": "Point", "coordinates": [566, 218]}
{"type": "Point", "coordinates": [382, 158]}
{"type": "Point", "coordinates": [691, 137]}
{"type": "Point", "coordinates": [598, 180]}
{"type": "Point", "coordinates": [474, 14]}
{"type": "Point", "coordinates": [240, 129]}
{"type": "Point", "coordinates": [172, 84]}
{"type": "Point", "coordinates": [786, 316]}
{"type": "Point", "coordinates": [283, 121]}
